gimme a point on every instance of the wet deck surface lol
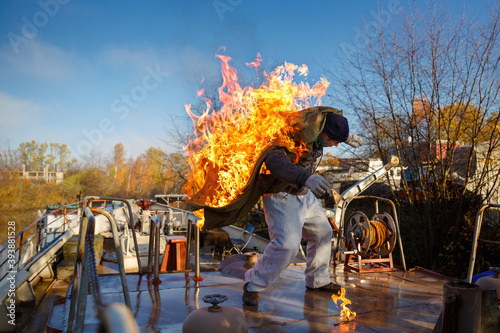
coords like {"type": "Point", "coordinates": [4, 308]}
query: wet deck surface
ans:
{"type": "Point", "coordinates": [394, 301]}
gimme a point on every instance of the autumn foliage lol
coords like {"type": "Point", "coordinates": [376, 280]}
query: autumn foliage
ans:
{"type": "Point", "coordinates": [153, 172]}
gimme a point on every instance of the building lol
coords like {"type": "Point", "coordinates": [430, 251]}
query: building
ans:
{"type": "Point", "coordinates": [353, 170]}
{"type": "Point", "coordinates": [42, 176]}
{"type": "Point", "coordinates": [483, 165]}
{"type": "Point", "coordinates": [477, 167]}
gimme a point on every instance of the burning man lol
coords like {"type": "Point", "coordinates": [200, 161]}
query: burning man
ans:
{"type": "Point", "coordinates": [295, 212]}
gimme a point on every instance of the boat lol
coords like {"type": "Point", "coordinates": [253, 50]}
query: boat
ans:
{"type": "Point", "coordinates": [144, 266]}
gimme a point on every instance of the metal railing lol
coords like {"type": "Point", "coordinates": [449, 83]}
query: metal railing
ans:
{"type": "Point", "coordinates": [118, 252]}
{"type": "Point", "coordinates": [477, 231]}
{"type": "Point", "coordinates": [62, 229]}
{"type": "Point", "coordinates": [85, 274]}
{"type": "Point", "coordinates": [185, 214]}
{"type": "Point", "coordinates": [154, 242]}
{"type": "Point", "coordinates": [28, 247]}
{"type": "Point", "coordinates": [189, 220]}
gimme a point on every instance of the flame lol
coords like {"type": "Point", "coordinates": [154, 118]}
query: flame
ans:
{"type": "Point", "coordinates": [229, 140]}
{"type": "Point", "coordinates": [256, 62]}
{"type": "Point", "coordinates": [345, 312]}
{"type": "Point", "coordinates": [200, 213]}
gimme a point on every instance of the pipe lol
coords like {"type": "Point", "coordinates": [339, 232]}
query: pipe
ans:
{"type": "Point", "coordinates": [130, 223]}
{"type": "Point", "coordinates": [118, 251]}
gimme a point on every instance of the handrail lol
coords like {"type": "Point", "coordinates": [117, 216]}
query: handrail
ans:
{"type": "Point", "coordinates": [118, 251]}
{"type": "Point", "coordinates": [87, 275]}
{"type": "Point", "coordinates": [130, 223]}
{"type": "Point", "coordinates": [154, 241]}
{"type": "Point", "coordinates": [477, 230]}
{"type": "Point", "coordinates": [41, 241]}
{"type": "Point", "coordinates": [41, 262]}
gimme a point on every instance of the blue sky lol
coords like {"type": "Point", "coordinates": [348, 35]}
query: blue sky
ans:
{"type": "Point", "coordinates": [94, 73]}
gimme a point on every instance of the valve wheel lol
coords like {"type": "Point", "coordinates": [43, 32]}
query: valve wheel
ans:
{"type": "Point", "coordinates": [214, 299]}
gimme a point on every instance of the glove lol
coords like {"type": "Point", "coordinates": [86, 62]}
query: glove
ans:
{"type": "Point", "coordinates": [352, 139]}
{"type": "Point", "coordinates": [317, 184]}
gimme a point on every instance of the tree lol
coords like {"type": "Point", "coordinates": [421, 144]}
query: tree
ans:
{"type": "Point", "coordinates": [33, 154]}
{"type": "Point", "coordinates": [426, 88]}
{"type": "Point", "coordinates": [176, 169]}
{"type": "Point", "coordinates": [168, 170]}
{"type": "Point", "coordinates": [93, 178]}
{"type": "Point", "coordinates": [118, 169]}
{"type": "Point", "coordinates": [9, 160]}
{"type": "Point", "coordinates": [157, 159]}
{"type": "Point", "coordinates": [429, 82]}
{"type": "Point", "coordinates": [59, 157]}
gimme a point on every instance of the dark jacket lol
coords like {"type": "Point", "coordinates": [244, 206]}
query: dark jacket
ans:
{"type": "Point", "coordinates": [280, 165]}
{"type": "Point", "coordinates": [312, 123]}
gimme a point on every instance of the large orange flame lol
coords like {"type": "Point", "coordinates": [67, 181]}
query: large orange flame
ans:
{"type": "Point", "coordinates": [345, 312]}
{"type": "Point", "coordinates": [228, 141]}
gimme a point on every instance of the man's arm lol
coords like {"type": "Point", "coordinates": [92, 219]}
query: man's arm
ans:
{"type": "Point", "coordinates": [282, 168]}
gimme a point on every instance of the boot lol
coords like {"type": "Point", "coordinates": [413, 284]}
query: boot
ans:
{"type": "Point", "coordinates": [250, 297]}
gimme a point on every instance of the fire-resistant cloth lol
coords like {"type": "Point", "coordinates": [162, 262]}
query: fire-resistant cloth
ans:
{"type": "Point", "coordinates": [291, 218]}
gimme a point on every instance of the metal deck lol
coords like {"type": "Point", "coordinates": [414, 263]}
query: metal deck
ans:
{"type": "Point", "coordinates": [394, 301]}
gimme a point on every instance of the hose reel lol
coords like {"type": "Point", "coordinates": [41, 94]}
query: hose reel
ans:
{"type": "Point", "coordinates": [377, 234]}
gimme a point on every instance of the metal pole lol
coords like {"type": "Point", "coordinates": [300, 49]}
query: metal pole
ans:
{"type": "Point", "coordinates": [399, 234]}
{"type": "Point", "coordinates": [64, 221]}
{"type": "Point", "coordinates": [156, 279]}
{"type": "Point", "coordinates": [197, 252]}
{"type": "Point", "coordinates": [150, 249]}
{"type": "Point", "coordinates": [477, 230]}
{"type": "Point", "coordinates": [39, 240]}
{"type": "Point", "coordinates": [188, 244]}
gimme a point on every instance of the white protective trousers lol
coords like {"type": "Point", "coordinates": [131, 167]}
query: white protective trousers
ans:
{"type": "Point", "coordinates": [289, 219]}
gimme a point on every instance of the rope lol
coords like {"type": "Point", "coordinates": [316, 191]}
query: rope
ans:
{"type": "Point", "coordinates": [379, 233]}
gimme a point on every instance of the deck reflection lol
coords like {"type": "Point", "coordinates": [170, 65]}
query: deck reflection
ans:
{"type": "Point", "coordinates": [384, 302]}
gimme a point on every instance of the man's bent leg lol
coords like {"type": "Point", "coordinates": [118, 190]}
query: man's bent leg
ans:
{"type": "Point", "coordinates": [285, 214]}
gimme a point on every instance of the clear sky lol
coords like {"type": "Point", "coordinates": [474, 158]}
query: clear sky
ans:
{"type": "Point", "coordinates": [94, 73]}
